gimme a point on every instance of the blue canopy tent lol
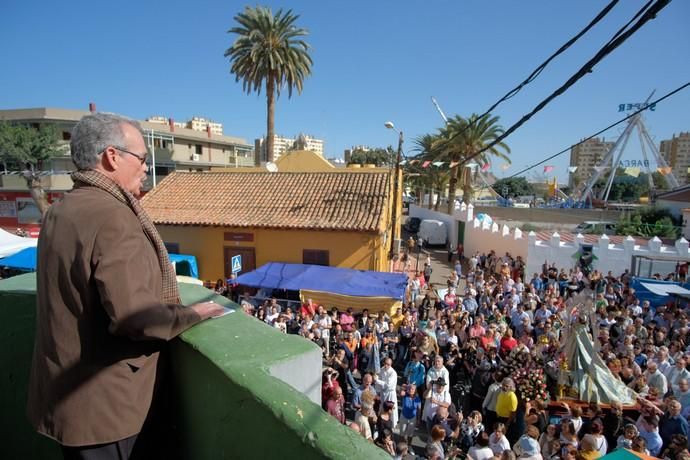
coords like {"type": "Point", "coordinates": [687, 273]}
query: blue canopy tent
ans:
{"type": "Point", "coordinates": [658, 292]}
{"type": "Point", "coordinates": [332, 286]}
{"type": "Point", "coordinates": [185, 265]}
{"type": "Point", "coordinates": [26, 260]}
{"type": "Point", "coordinates": [23, 260]}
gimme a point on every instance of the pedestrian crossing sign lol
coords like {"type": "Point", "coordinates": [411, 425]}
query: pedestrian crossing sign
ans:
{"type": "Point", "coordinates": [236, 263]}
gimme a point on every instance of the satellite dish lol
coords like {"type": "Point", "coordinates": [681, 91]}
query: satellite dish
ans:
{"type": "Point", "coordinates": [271, 167]}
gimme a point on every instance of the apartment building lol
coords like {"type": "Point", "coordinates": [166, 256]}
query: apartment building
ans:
{"type": "Point", "coordinates": [585, 157]}
{"type": "Point", "coordinates": [282, 144]}
{"type": "Point", "coordinates": [676, 152]}
{"type": "Point", "coordinates": [173, 147]}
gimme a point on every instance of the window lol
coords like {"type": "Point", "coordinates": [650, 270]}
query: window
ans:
{"type": "Point", "coordinates": [197, 149]}
{"type": "Point", "coordinates": [66, 135]}
{"type": "Point", "coordinates": [315, 257]}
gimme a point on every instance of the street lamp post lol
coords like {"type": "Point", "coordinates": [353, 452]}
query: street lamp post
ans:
{"type": "Point", "coordinates": [394, 220]}
{"type": "Point", "coordinates": [420, 242]}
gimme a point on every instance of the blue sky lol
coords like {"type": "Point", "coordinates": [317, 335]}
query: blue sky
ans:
{"type": "Point", "coordinates": [373, 61]}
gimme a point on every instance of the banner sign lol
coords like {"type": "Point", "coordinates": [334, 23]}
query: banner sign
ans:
{"type": "Point", "coordinates": [636, 106]}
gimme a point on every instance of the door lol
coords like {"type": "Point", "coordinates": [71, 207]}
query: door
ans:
{"type": "Point", "coordinates": [461, 233]}
{"type": "Point", "coordinates": [248, 259]}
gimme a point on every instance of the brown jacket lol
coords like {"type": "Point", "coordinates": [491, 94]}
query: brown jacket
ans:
{"type": "Point", "coordinates": [99, 321]}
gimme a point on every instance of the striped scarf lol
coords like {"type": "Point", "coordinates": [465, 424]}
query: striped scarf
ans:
{"type": "Point", "coordinates": [98, 180]}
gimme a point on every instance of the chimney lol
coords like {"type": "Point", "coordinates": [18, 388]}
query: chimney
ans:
{"type": "Point", "coordinates": [208, 130]}
{"type": "Point", "coordinates": [92, 107]}
{"type": "Point", "coordinates": [171, 123]}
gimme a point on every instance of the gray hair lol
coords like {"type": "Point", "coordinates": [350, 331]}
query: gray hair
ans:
{"type": "Point", "coordinates": [93, 134]}
{"type": "Point", "coordinates": [509, 383]}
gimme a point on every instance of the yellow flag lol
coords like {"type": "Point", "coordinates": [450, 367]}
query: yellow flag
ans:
{"type": "Point", "coordinates": [634, 172]}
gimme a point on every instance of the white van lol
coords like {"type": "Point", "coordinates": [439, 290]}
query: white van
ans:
{"type": "Point", "coordinates": [433, 232]}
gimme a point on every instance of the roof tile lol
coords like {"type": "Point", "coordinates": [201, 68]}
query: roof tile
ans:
{"type": "Point", "coordinates": [329, 201]}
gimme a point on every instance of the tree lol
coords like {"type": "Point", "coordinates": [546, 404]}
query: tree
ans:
{"type": "Point", "coordinates": [461, 140]}
{"type": "Point", "coordinates": [513, 186]}
{"type": "Point", "coordinates": [27, 148]}
{"type": "Point", "coordinates": [432, 178]}
{"type": "Point", "coordinates": [377, 156]}
{"type": "Point", "coordinates": [269, 51]}
{"type": "Point", "coordinates": [649, 222]}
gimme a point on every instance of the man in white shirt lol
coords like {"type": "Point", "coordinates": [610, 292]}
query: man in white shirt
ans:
{"type": "Point", "coordinates": [387, 382]}
{"type": "Point", "coordinates": [436, 396]}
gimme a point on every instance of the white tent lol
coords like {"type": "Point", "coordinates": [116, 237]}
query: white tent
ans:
{"type": "Point", "coordinates": [11, 244]}
{"type": "Point", "coordinates": [666, 289]}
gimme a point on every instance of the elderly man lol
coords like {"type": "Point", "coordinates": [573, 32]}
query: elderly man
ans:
{"type": "Point", "coordinates": [438, 370]}
{"type": "Point", "coordinates": [677, 373]}
{"type": "Point", "coordinates": [107, 299]}
{"type": "Point", "coordinates": [365, 394]}
{"type": "Point", "coordinates": [682, 393]}
{"type": "Point", "coordinates": [672, 423]}
{"type": "Point", "coordinates": [655, 378]}
{"type": "Point", "coordinates": [387, 381]}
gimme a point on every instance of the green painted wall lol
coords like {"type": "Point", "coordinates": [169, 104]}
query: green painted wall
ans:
{"type": "Point", "coordinates": [227, 405]}
{"type": "Point", "coordinates": [17, 326]}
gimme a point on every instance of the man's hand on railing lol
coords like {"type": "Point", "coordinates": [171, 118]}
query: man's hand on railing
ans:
{"type": "Point", "coordinates": [208, 309]}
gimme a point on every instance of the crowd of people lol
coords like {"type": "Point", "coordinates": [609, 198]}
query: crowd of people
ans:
{"type": "Point", "coordinates": [473, 372]}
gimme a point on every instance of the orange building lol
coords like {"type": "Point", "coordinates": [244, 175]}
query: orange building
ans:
{"type": "Point", "coordinates": [340, 218]}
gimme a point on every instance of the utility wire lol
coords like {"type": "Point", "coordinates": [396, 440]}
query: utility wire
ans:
{"type": "Point", "coordinates": [538, 70]}
{"type": "Point", "coordinates": [651, 104]}
{"type": "Point", "coordinates": [618, 39]}
{"type": "Point", "coordinates": [535, 73]}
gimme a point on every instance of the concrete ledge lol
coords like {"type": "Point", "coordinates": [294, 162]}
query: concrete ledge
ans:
{"type": "Point", "coordinates": [229, 399]}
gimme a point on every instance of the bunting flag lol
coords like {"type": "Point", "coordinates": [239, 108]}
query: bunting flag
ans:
{"type": "Point", "coordinates": [486, 166]}
{"type": "Point", "coordinates": [414, 162]}
{"type": "Point", "coordinates": [438, 163]}
{"type": "Point", "coordinates": [548, 169]}
{"type": "Point", "coordinates": [572, 169]}
{"type": "Point", "coordinates": [426, 164]}
{"type": "Point", "coordinates": [505, 166]}
{"type": "Point", "coordinates": [664, 170]}
{"type": "Point", "coordinates": [453, 164]}
{"type": "Point", "coordinates": [403, 162]}
{"type": "Point", "coordinates": [634, 172]}
{"type": "Point", "coordinates": [599, 168]}
{"type": "Point", "coordinates": [472, 165]}
{"type": "Point", "coordinates": [553, 187]}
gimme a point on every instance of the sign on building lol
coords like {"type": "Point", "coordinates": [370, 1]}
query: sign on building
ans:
{"type": "Point", "coordinates": [236, 263]}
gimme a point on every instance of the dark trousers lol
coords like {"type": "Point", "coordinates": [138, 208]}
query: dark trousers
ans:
{"type": "Point", "coordinates": [118, 450]}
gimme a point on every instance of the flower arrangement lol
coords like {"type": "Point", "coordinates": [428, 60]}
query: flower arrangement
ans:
{"type": "Point", "coordinates": [528, 374]}
{"type": "Point", "coordinates": [531, 384]}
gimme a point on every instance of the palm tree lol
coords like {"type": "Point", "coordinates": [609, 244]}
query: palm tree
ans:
{"type": "Point", "coordinates": [424, 146]}
{"type": "Point", "coordinates": [448, 149]}
{"type": "Point", "coordinates": [460, 141]}
{"type": "Point", "coordinates": [269, 50]}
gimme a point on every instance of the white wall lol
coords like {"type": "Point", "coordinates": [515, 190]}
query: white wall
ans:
{"type": "Point", "coordinates": [484, 237]}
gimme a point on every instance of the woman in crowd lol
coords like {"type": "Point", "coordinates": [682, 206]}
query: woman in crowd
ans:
{"type": "Point", "coordinates": [498, 441]}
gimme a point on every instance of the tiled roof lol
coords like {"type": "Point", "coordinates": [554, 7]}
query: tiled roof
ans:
{"type": "Point", "coordinates": [326, 201]}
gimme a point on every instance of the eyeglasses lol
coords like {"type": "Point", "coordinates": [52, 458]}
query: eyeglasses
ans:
{"type": "Point", "coordinates": [141, 159]}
